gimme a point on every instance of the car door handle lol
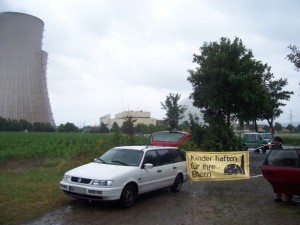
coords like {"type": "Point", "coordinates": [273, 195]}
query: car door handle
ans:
{"type": "Point", "coordinates": [175, 167]}
{"type": "Point", "coordinates": [158, 171]}
{"type": "Point", "coordinates": [269, 172]}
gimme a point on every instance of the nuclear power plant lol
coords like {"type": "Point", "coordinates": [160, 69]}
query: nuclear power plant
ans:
{"type": "Point", "coordinates": [23, 67]}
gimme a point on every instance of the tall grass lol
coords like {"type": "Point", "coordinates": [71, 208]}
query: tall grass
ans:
{"type": "Point", "coordinates": [58, 145]}
{"type": "Point", "coordinates": [290, 139]}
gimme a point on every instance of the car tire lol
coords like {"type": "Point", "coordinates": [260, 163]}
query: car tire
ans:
{"type": "Point", "coordinates": [245, 147]}
{"type": "Point", "coordinates": [128, 196]}
{"type": "Point", "coordinates": [177, 184]}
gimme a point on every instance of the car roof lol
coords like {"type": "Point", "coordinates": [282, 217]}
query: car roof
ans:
{"type": "Point", "coordinates": [143, 147]}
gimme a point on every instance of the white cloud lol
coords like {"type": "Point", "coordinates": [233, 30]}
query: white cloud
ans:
{"type": "Point", "coordinates": [109, 56]}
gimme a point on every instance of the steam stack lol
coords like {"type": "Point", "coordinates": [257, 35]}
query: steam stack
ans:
{"type": "Point", "coordinates": [23, 66]}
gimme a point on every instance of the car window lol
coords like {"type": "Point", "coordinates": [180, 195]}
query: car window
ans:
{"type": "Point", "coordinates": [259, 137]}
{"type": "Point", "coordinates": [125, 157]}
{"type": "Point", "coordinates": [177, 155]}
{"type": "Point", "coordinates": [151, 157]}
{"type": "Point", "coordinates": [285, 158]}
{"type": "Point", "coordinates": [252, 137]}
{"type": "Point", "coordinates": [267, 136]}
{"type": "Point", "coordinates": [246, 136]}
{"type": "Point", "coordinates": [168, 136]}
{"type": "Point", "coordinates": [165, 156]}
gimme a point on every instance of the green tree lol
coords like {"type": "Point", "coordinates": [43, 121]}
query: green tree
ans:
{"type": "Point", "coordinates": [15, 125]}
{"type": "Point", "coordinates": [141, 128]}
{"type": "Point", "coordinates": [37, 126]}
{"type": "Point", "coordinates": [115, 127]}
{"type": "Point", "coordinates": [47, 127]}
{"type": "Point", "coordinates": [228, 82]}
{"type": "Point", "coordinates": [227, 85]}
{"type": "Point", "coordinates": [68, 127]}
{"type": "Point", "coordinates": [152, 128]}
{"type": "Point", "coordinates": [197, 130]}
{"type": "Point", "coordinates": [174, 111]}
{"type": "Point", "coordinates": [278, 127]}
{"type": "Point", "coordinates": [266, 128]}
{"type": "Point", "coordinates": [25, 125]}
{"type": "Point", "coordinates": [117, 134]}
{"type": "Point", "coordinates": [294, 56]}
{"type": "Point", "coordinates": [274, 96]}
{"type": "Point", "coordinates": [128, 127]}
{"type": "Point", "coordinates": [4, 125]}
{"type": "Point", "coordinates": [249, 91]}
{"type": "Point", "coordinates": [290, 127]}
{"type": "Point", "coordinates": [103, 128]}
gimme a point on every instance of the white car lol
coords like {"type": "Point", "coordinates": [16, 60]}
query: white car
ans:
{"type": "Point", "coordinates": [122, 173]}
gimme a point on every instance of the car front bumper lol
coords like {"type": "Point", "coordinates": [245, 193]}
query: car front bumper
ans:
{"type": "Point", "coordinates": [89, 192]}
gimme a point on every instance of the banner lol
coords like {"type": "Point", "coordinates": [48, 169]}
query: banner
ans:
{"type": "Point", "coordinates": [216, 166]}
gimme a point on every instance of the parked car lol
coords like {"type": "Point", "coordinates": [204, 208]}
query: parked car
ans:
{"type": "Point", "coordinates": [282, 169]}
{"type": "Point", "coordinates": [122, 173]}
{"type": "Point", "coordinates": [256, 139]}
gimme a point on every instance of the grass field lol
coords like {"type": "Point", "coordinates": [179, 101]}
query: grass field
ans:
{"type": "Point", "coordinates": [290, 139]}
{"type": "Point", "coordinates": [32, 165]}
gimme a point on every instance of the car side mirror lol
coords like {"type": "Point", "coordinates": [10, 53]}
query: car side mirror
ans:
{"type": "Point", "coordinates": [148, 165]}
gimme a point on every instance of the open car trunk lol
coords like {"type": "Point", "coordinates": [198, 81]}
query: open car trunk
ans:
{"type": "Point", "coordinates": [169, 138]}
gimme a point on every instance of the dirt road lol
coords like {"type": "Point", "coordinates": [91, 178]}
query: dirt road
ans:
{"type": "Point", "coordinates": [219, 202]}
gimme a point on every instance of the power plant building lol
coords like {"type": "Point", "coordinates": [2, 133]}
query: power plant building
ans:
{"type": "Point", "coordinates": [23, 66]}
{"type": "Point", "coordinates": [140, 117]}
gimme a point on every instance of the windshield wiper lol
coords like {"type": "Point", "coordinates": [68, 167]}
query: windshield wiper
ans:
{"type": "Point", "coordinates": [101, 160]}
{"type": "Point", "coordinates": [120, 162]}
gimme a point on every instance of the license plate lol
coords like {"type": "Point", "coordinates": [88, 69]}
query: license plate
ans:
{"type": "Point", "coordinates": [77, 189]}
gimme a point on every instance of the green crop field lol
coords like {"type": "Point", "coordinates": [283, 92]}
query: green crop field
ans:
{"type": "Point", "coordinates": [58, 145]}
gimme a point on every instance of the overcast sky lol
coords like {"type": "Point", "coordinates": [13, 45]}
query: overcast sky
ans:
{"type": "Point", "coordinates": [109, 56]}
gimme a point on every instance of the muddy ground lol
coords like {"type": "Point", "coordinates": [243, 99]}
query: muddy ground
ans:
{"type": "Point", "coordinates": [219, 202]}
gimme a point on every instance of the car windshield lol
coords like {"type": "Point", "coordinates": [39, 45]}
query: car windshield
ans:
{"type": "Point", "coordinates": [119, 156]}
{"type": "Point", "coordinates": [267, 136]}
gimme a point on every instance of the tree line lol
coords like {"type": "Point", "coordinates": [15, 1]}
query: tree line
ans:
{"type": "Point", "coordinates": [23, 125]}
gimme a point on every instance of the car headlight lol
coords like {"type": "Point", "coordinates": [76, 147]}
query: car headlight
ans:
{"type": "Point", "coordinates": [67, 177]}
{"type": "Point", "coordinates": [106, 183]}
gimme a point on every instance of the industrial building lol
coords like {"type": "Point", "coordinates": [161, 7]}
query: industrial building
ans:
{"type": "Point", "coordinates": [141, 117]}
{"type": "Point", "coordinates": [23, 66]}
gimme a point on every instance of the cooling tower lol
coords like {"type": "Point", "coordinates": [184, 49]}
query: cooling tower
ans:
{"type": "Point", "coordinates": [23, 66]}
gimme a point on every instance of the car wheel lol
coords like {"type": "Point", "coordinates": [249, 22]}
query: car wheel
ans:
{"type": "Point", "coordinates": [245, 147]}
{"type": "Point", "coordinates": [177, 184]}
{"type": "Point", "coordinates": [128, 196]}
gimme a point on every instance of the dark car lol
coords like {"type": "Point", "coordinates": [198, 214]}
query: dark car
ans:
{"type": "Point", "coordinates": [282, 169]}
{"type": "Point", "coordinates": [256, 139]}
